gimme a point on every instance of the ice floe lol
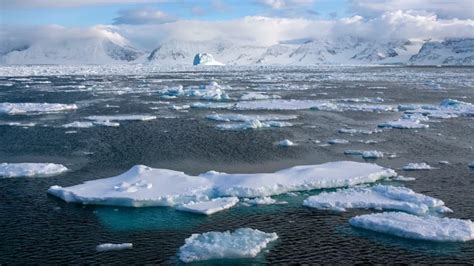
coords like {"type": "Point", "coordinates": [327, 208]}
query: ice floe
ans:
{"type": "Point", "coordinates": [24, 108]}
{"type": "Point", "coordinates": [31, 169]}
{"type": "Point", "coordinates": [263, 201]}
{"type": "Point", "coordinates": [416, 227]}
{"type": "Point", "coordinates": [102, 118]}
{"type": "Point", "coordinates": [144, 186]}
{"type": "Point", "coordinates": [211, 91]}
{"type": "Point", "coordinates": [377, 197]}
{"type": "Point", "coordinates": [417, 166]}
{"type": "Point", "coordinates": [79, 124]}
{"type": "Point", "coordinates": [285, 143]}
{"type": "Point", "coordinates": [110, 246]}
{"type": "Point", "coordinates": [357, 131]}
{"type": "Point", "coordinates": [338, 141]}
{"type": "Point", "coordinates": [253, 124]}
{"type": "Point", "coordinates": [19, 124]}
{"type": "Point", "coordinates": [365, 154]}
{"type": "Point", "coordinates": [245, 118]}
{"type": "Point", "coordinates": [210, 206]}
{"type": "Point", "coordinates": [242, 243]}
{"type": "Point", "coordinates": [257, 96]}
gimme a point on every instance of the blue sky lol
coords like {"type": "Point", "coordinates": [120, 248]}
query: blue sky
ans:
{"type": "Point", "coordinates": [93, 14]}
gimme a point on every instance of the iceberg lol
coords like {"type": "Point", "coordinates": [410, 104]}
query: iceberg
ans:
{"type": "Point", "coordinates": [378, 197]}
{"type": "Point", "coordinates": [210, 206]}
{"type": "Point", "coordinates": [31, 169]}
{"type": "Point", "coordinates": [109, 246]}
{"type": "Point", "coordinates": [24, 108]}
{"type": "Point", "coordinates": [143, 186]}
{"type": "Point", "coordinates": [242, 243]}
{"type": "Point", "coordinates": [417, 227]}
{"type": "Point", "coordinates": [206, 60]}
{"type": "Point", "coordinates": [417, 166]}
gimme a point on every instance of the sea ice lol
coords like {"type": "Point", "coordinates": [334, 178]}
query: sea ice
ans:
{"type": "Point", "coordinates": [286, 143]}
{"type": "Point", "coordinates": [23, 108]}
{"type": "Point", "coordinates": [144, 186]}
{"type": "Point", "coordinates": [261, 201]}
{"type": "Point", "coordinates": [403, 178]}
{"type": "Point", "coordinates": [105, 118]}
{"type": "Point", "coordinates": [210, 206]}
{"type": "Point", "coordinates": [416, 227]}
{"type": "Point", "coordinates": [211, 91]}
{"type": "Point", "coordinates": [378, 197]}
{"type": "Point", "coordinates": [253, 124]}
{"type": "Point", "coordinates": [417, 166]}
{"type": "Point", "coordinates": [404, 124]}
{"type": "Point", "coordinates": [338, 141]}
{"type": "Point", "coordinates": [31, 169]}
{"type": "Point", "coordinates": [356, 131]}
{"type": "Point", "coordinates": [257, 96]}
{"type": "Point", "coordinates": [242, 243]}
{"type": "Point", "coordinates": [245, 118]}
{"type": "Point", "coordinates": [109, 246]}
{"type": "Point", "coordinates": [365, 154]}
{"type": "Point", "coordinates": [78, 124]}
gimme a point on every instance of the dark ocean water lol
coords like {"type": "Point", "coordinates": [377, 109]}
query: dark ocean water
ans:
{"type": "Point", "coordinates": [38, 228]}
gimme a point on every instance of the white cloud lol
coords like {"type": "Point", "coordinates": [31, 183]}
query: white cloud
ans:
{"type": "Point", "coordinates": [461, 9]}
{"type": "Point", "coordinates": [145, 15]}
{"type": "Point", "coordinates": [66, 3]}
{"type": "Point", "coordinates": [279, 4]}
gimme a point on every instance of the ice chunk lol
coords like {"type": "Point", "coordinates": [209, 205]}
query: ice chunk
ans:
{"type": "Point", "coordinates": [78, 124]}
{"type": "Point", "coordinates": [416, 227]}
{"type": "Point", "coordinates": [31, 169]}
{"type": "Point", "coordinates": [242, 243]}
{"type": "Point", "coordinates": [210, 206]}
{"type": "Point", "coordinates": [471, 165]}
{"type": "Point", "coordinates": [356, 131]}
{"type": "Point", "coordinates": [170, 188]}
{"type": "Point", "coordinates": [257, 96]}
{"type": "Point", "coordinates": [109, 246]}
{"type": "Point", "coordinates": [104, 118]}
{"type": "Point", "coordinates": [286, 143]}
{"type": "Point", "coordinates": [338, 141]}
{"type": "Point", "coordinates": [253, 124]}
{"type": "Point", "coordinates": [365, 154]}
{"type": "Point", "coordinates": [246, 118]}
{"type": "Point", "coordinates": [211, 91]}
{"type": "Point", "coordinates": [23, 108]}
{"type": "Point", "coordinates": [19, 124]}
{"type": "Point", "coordinates": [417, 166]}
{"type": "Point", "coordinates": [377, 197]}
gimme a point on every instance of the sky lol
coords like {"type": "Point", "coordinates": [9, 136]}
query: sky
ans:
{"type": "Point", "coordinates": [146, 23]}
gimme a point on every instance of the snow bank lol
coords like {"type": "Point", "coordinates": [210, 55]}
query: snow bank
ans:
{"type": "Point", "coordinates": [109, 246]}
{"type": "Point", "coordinates": [242, 243]}
{"type": "Point", "coordinates": [210, 206]}
{"type": "Point", "coordinates": [417, 166]}
{"type": "Point", "coordinates": [144, 186]}
{"type": "Point", "coordinates": [377, 197]}
{"type": "Point", "coordinates": [31, 169]}
{"type": "Point", "coordinates": [206, 60]}
{"type": "Point", "coordinates": [23, 108]}
{"type": "Point", "coordinates": [416, 227]}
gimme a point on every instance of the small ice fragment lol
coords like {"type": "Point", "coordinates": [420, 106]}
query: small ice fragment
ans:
{"type": "Point", "coordinates": [338, 141]}
{"type": "Point", "coordinates": [471, 165]}
{"type": "Point", "coordinates": [242, 243]}
{"type": "Point", "coordinates": [109, 246]}
{"type": "Point", "coordinates": [403, 178]}
{"type": "Point", "coordinates": [31, 169]}
{"type": "Point", "coordinates": [210, 206]}
{"type": "Point", "coordinates": [417, 166]}
{"type": "Point", "coordinates": [260, 201]}
{"type": "Point", "coordinates": [443, 162]}
{"type": "Point", "coordinates": [286, 143]}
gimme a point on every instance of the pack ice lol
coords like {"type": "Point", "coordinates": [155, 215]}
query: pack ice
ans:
{"type": "Point", "coordinates": [144, 186]}
{"type": "Point", "coordinates": [23, 108]}
{"type": "Point", "coordinates": [377, 197]}
{"type": "Point", "coordinates": [242, 243]}
{"type": "Point", "coordinates": [416, 227]}
{"type": "Point", "coordinates": [31, 169]}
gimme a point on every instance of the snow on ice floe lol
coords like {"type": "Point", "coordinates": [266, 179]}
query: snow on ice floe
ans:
{"type": "Point", "coordinates": [110, 246]}
{"type": "Point", "coordinates": [417, 227]}
{"type": "Point", "coordinates": [377, 197]}
{"type": "Point", "coordinates": [144, 186]}
{"type": "Point", "coordinates": [210, 206]}
{"type": "Point", "coordinates": [24, 108]}
{"type": "Point", "coordinates": [31, 169]}
{"type": "Point", "coordinates": [417, 166]}
{"type": "Point", "coordinates": [263, 201]}
{"type": "Point", "coordinates": [242, 243]}
{"type": "Point", "coordinates": [211, 91]}
{"type": "Point", "coordinates": [285, 143]}
{"type": "Point", "coordinates": [365, 154]}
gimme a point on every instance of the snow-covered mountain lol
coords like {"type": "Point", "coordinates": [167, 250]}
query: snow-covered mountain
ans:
{"type": "Point", "coordinates": [448, 52]}
{"type": "Point", "coordinates": [98, 47]}
{"type": "Point", "coordinates": [105, 47]}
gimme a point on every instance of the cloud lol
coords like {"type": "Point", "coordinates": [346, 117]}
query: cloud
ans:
{"type": "Point", "coordinates": [280, 4]}
{"type": "Point", "coordinates": [146, 15]}
{"type": "Point", "coordinates": [10, 4]}
{"type": "Point", "coordinates": [462, 9]}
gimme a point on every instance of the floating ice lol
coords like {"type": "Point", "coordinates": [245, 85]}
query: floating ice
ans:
{"type": "Point", "coordinates": [404, 123]}
{"type": "Point", "coordinates": [262, 201]}
{"type": "Point", "coordinates": [245, 118]}
{"type": "Point", "coordinates": [257, 96]}
{"type": "Point", "coordinates": [109, 246]}
{"type": "Point", "coordinates": [417, 166]}
{"type": "Point", "coordinates": [471, 165]}
{"type": "Point", "coordinates": [78, 124]}
{"type": "Point", "coordinates": [286, 143]}
{"type": "Point", "coordinates": [338, 141]}
{"type": "Point", "coordinates": [356, 131]}
{"type": "Point", "coordinates": [242, 243]}
{"type": "Point", "coordinates": [212, 91]}
{"type": "Point", "coordinates": [19, 124]}
{"type": "Point", "coordinates": [23, 108]}
{"type": "Point", "coordinates": [104, 118]}
{"type": "Point", "coordinates": [362, 100]}
{"type": "Point", "coordinates": [210, 206]}
{"type": "Point", "coordinates": [31, 169]}
{"type": "Point", "coordinates": [416, 227]}
{"type": "Point", "coordinates": [365, 154]}
{"type": "Point", "coordinates": [144, 186]}
{"type": "Point", "coordinates": [403, 178]}
{"type": "Point", "coordinates": [378, 197]}
{"type": "Point", "coordinates": [206, 60]}
{"type": "Point", "coordinates": [253, 124]}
